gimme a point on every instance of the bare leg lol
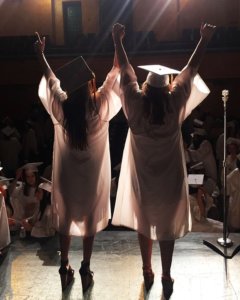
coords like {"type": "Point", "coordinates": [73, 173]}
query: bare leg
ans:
{"type": "Point", "coordinates": [65, 271]}
{"type": "Point", "coordinates": [65, 241]}
{"type": "Point", "coordinates": [146, 250]}
{"type": "Point", "coordinates": [87, 248]}
{"type": "Point", "coordinates": [166, 248]}
{"type": "Point", "coordinates": [200, 201]}
{"type": "Point", "coordinates": [85, 272]}
{"type": "Point", "coordinates": [146, 253]}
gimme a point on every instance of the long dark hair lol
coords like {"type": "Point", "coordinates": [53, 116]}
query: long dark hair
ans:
{"type": "Point", "coordinates": [75, 109]}
{"type": "Point", "coordinates": [27, 187]}
{"type": "Point", "coordinates": [156, 103]}
{"type": "Point", "coordinates": [46, 200]}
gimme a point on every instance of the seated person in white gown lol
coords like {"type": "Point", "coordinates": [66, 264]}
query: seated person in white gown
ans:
{"type": "Point", "coordinates": [233, 191]}
{"type": "Point", "coordinates": [41, 223]}
{"type": "Point", "coordinates": [4, 227]}
{"type": "Point", "coordinates": [22, 191]}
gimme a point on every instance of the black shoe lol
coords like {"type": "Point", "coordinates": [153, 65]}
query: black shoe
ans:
{"type": "Point", "coordinates": [66, 275]}
{"type": "Point", "coordinates": [148, 276]}
{"type": "Point", "coordinates": [167, 284]}
{"type": "Point", "coordinates": [86, 276]}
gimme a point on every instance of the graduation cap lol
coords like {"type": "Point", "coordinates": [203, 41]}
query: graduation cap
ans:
{"type": "Point", "coordinates": [74, 74]}
{"type": "Point", "coordinates": [198, 123]}
{"type": "Point", "coordinates": [4, 181]}
{"type": "Point", "coordinates": [195, 179]}
{"type": "Point", "coordinates": [199, 131]}
{"type": "Point", "coordinates": [31, 167]}
{"type": "Point", "coordinates": [234, 141]}
{"type": "Point", "coordinates": [158, 75]}
{"type": "Point", "coordinates": [197, 166]}
{"type": "Point", "coordinates": [46, 185]}
{"type": "Point", "coordinates": [7, 131]}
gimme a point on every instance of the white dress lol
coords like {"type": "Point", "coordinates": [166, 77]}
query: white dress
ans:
{"type": "Point", "coordinates": [205, 155]}
{"type": "Point", "coordinates": [81, 179]}
{"type": "Point", "coordinates": [152, 195]}
{"type": "Point", "coordinates": [45, 226]}
{"type": "Point", "coordinates": [23, 206]}
{"type": "Point", "coordinates": [4, 227]}
{"type": "Point", "coordinates": [233, 189]}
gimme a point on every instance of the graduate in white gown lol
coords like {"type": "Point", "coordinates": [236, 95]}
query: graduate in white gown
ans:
{"type": "Point", "coordinates": [152, 195]}
{"type": "Point", "coordinates": [4, 226]}
{"type": "Point", "coordinates": [40, 224]}
{"type": "Point", "coordinates": [233, 191]}
{"type": "Point", "coordinates": [22, 192]}
{"type": "Point", "coordinates": [81, 158]}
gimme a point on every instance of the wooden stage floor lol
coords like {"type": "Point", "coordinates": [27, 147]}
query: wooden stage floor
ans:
{"type": "Point", "coordinates": [30, 270]}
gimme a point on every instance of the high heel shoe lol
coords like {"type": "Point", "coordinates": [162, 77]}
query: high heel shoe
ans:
{"type": "Point", "coordinates": [148, 276]}
{"type": "Point", "coordinates": [167, 284]}
{"type": "Point", "coordinates": [66, 275]}
{"type": "Point", "coordinates": [86, 276]}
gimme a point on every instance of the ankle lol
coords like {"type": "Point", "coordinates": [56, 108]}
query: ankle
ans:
{"type": "Point", "coordinates": [147, 267]}
{"type": "Point", "coordinates": [166, 276]}
{"type": "Point", "coordinates": [85, 267]}
{"type": "Point", "coordinates": [85, 264]}
{"type": "Point", "coordinates": [64, 262]}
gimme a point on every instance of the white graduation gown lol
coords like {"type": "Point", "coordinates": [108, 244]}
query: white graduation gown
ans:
{"type": "Point", "coordinates": [23, 206]}
{"type": "Point", "coordinates": [152, 195]}
{"type": "Point", "coordinates": [4, 227]}
{"type": "Point", "coordinates": [233, 189]}
{"type": "Point", "coordinates": [81, 179]}
{"type": "Point", "coordinates": [44, 227]}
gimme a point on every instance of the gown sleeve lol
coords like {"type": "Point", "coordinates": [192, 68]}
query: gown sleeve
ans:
{"type": "Point", "coordinates": [131, 93]}
{"type": "Point", "coordinates": [189, 93]}
{"type": "Point", "coordinates": [109, 102]}
{"type": "Point", "coordinates": [51, 97]}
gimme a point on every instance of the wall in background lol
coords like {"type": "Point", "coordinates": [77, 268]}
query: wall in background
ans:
{"type": "Point", "coordinates": [166, 18]}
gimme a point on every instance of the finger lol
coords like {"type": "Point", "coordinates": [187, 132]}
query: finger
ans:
{"type": "Point", "coordinates": [38, 37]}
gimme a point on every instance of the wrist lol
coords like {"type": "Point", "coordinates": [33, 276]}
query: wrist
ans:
{"type": "Point", "coordinates": [40, 53]}
{"type": "Point", "coordinates": [117, 41]}
{"type": "Point", "coordinates": [205, 39]}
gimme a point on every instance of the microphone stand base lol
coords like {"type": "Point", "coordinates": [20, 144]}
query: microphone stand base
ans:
{"type": "Point", "coordinates": [225, 242]}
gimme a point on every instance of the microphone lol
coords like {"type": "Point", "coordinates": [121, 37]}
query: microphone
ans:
{"type": "Point", "coordinates": [225, 94]}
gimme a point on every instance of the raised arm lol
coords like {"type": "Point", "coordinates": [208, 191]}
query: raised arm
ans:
{"type": "Point", "coordinates": [206, 32]}
{"type": "Point", "coordinates": [39, 49]}
{"type": "Point", "coordinates": [118, 33]}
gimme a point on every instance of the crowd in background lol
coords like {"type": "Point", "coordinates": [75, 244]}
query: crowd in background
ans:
{"type": "Point", "coordinates": [32, 141]}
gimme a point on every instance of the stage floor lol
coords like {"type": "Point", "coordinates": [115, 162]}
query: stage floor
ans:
{"type": "Point", "coordinates": [30, 270]}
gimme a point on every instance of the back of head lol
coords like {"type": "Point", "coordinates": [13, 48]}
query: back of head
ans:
{"type": "Point", "coordinates": [157, 81]}
{"type": "Point", "coordinates": [156, 103]}
{"type": "Point", "coordinates": [75, 110]}
{"type": "Point", "coordinates": [156, 92]}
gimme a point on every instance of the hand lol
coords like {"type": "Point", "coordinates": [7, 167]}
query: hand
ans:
{"type": "Point", "coordinates": [27, 226]}
{"type": "Point", "coordinates": [39, 44]}
{"type": "Point", "coordinates": [118, 32]}
{"type": "Point", "coordinates": [207, 31]}
{"type": "Point", "coordinates": [11, 222]}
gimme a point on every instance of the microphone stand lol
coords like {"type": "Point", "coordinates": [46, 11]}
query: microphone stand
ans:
{"type": "Point", "coordinates": [224, 241]}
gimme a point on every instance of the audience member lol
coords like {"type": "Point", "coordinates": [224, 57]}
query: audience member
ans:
{"type": "Point", "coordinates": [41, 223]}
{"type": "Point", "coordinates": [233, 190]}
{"type": "Point", "coordinates": [23, 198]}
{"type": "Point", "coordinates": [10, 149]}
